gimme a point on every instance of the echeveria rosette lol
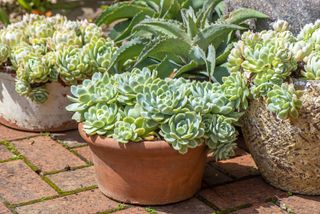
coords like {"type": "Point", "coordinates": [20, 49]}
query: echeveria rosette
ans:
{"type": "Point", "coordinates": [12, 36]}
{"type": "Point", "coordinates": [100, 119]}
{"type": "Point", "coordinates": [221, 135]}
{"type": "Point", "coordinates": [39, 32]}
{"type": "Point", "coordinates": [183, 131]}
{"type": "Point", "coordinates": [71, 65]}
{"type": "Point", "coordinates": [125, 132]}
{"type": "Point", "coordinates": [264, 82]}
{"type": "Point", "coordinates": [4, 53]}
{"type": "Point", "coordinates": [90, 32]}
{"type": "Point", "coordinates": [312, 67]}
{"type": "Point", "coordinates": [33, 70]}
{"type": "Point", "coordinates": [22, 87]}
{"type": "Point", "coordinates": [284, 101]}
{"type": "Point", "coordinates": [301, 50]}
{"type": "Point", "coordinates": [20, 55]}
{"type": "Point", "coordinates": [236, 89]}
{"type": "Point", "coordinates": [235, 57]}
{"type": "Point", "coordinates": [159, 101]}
{"type": "Point", "coordinates": [130, 84]}
{"type": "Point", "coordinates": [38, 95]}
{"type": "Point", "coordinates": [99, 53]}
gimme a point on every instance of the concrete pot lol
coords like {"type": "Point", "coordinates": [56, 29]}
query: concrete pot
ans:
{"type": "Point", "coordinates": [146, 173]}
{"type": "Point", "coordinates": [287, 151]}
{"type": "Point", "coordinates": [21, 113]}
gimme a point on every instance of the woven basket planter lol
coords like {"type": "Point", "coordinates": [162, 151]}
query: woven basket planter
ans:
{"type": "Point", "coordinates": [287, 152]}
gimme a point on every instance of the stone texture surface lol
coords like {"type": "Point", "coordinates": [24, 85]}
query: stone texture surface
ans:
{"type": "Point", "coordinates": [71, 138]}
{"type": "Point", "coordinates": [213, 177]}
{"type": "Point", "coordinates": [74, 179]}
{"type": "Point", "coordinates": [18, 183]}
{"type": "Point", "coordinates": [265, 208]}
{"type": "Point", "coordinates": [4, 153]}
{"type": "Point", "coordinates": [296, 12]}
{"type": "Point", "coordinates": [4, 209]}
{"type": "Point", "coordinates": [47, 154]}
{"type": "Point", "coordinates": [91, 201]}
{"type": "Point", "coordinates": [85, 152]}
{"type": "Point", "coordinates": [11, 134]}
{"type": "Point", "coordinates": [187, 207]}
{"type": "Point", "coordinates": [240, 193]}
{"type": "Point", "coordinates": [302, 204]}
{"type": "Point", "coordinates": [239, 167]}
{"type": "Point", "coordinates": [133, 210]}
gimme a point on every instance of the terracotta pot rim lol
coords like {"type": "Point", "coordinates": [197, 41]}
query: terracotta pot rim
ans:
{"type": "Point", "coordinates": [156, 145]}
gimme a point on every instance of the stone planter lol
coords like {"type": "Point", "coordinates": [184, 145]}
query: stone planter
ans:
{"type": "Point", "coordinates": [21, 113]}
{"type": "Point", "coordinates": [146, 173]}
{"type": "Point", "coordinates": [287, 151]}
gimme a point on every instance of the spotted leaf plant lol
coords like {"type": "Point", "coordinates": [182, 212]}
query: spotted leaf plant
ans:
{"type": "Point", "coordinates": [137, 105]}
{"type": "Point", "coordinates": [41, 50]}
{"type": "Point", "coordinates": [269, 62]}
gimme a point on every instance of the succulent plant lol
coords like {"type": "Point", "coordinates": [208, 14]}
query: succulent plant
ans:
{"type": "Point", "coordinates": [42, 50]}
{"type": "Point", "coordinates": [4, 53]}
{"type": "Point", "coordinates": [38, 95]}
{"type": "Point", "coordinates": [191, 47]}
{"type": "Point", "coordinates": [183, 131]}
{"type": "Point", "coordinates": [312, 67]}
{"type": "Point", "coordinates": [137, 105]}
{"type": "Point", "coordinates": [284, 101]}
{"type": "Point", "coordinates": [159, 101]}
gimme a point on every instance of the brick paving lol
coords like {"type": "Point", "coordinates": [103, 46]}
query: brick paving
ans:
{"type": "Point", "coordinates": [53, 173]}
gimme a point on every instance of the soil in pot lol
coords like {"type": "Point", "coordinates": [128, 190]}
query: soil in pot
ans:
{"type": "Point", "coordinates": [146, 173]}
{"type": "Point", "coordinates": [287, 151]}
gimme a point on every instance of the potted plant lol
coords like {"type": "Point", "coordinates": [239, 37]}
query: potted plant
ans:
{"type": "Point", "coordinates": [39, 58]}
{"type": "Point", "coordinates": [149, 136]}
{"type": "Point", "coordinates": [280, 126]}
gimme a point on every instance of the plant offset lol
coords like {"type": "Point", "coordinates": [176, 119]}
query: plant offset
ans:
{"type": "Point", "coordinates": [41, 50]}
{"type": "Point", "coordinates": [135, 106]}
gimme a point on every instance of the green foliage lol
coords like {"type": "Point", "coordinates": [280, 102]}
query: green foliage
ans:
{"type": "Point", "coordinates": [42, 50]}
{"type": "Point", "coordinates": [185, 47]}
{"type": "Point", "coordinates": [137, 105]}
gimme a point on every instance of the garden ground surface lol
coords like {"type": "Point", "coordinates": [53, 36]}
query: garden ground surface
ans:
{"type": "Point", "coordinates": [53, 173]}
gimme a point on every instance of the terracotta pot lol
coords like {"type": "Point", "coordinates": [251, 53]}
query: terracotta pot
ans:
{"type": "Point", "coordinates": [146, 173]}
{"type": "Point", "coordinates": [287, 151]}
{"type": "Point", "coordinates": [21, 113]}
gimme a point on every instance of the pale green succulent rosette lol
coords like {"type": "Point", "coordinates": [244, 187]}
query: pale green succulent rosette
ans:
{"type": "Point", "coordinates": [183, 131]}
{"type": "Point", "coordinates": [235, 58]}
{"type": "Point", "coordinates": [4, 53]}
{"type": "Point", "coordinates": [12, 36]}
{"type": "Point", "coordinates": [90, 32]}
{"type": "Point", "coordinates": [263, 83]}
{"type": "Point", "coordinates": [99, 53]}
{"type": "Point", "coordinates": [130, 84]}
{"type": "Point", "coordinates": [22, 87]}
{"type": "Point", "coordinates": [39, 32]}
{"type": "Point", "coordinates": [312, 67]}
{"type": "Point", "coordinates": [125, 132]}
{"type": "Point", "coordinates": [100, 119]}
{"type": "Point", "coordinates": [301, 50]}
{"type": "Point", "coordinates": [34, 70]}
{"type": "Point", "coordinates": [38, 95]}
{"type": "Point", "coordinates": [71, 65]}
{"type": "Point", "coordinates": [221, 135]}
{"type": "Point", "coordinates": [159, 101]}
{"type": "Point", "coordinates": [236, 89]}
{"type": "Point", "coordinates": [284, 101]}
{"type": "Point", "coordinates": [21, 54]}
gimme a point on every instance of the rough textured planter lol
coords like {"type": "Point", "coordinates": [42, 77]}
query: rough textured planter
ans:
{"type": "Point", "coordinates": [287, 152]}
{"type": "Point", "coordinates": [21, 113]}
{"type": "Point", "coordinates": [147, 173]}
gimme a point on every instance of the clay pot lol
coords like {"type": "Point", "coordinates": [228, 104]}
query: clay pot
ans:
{"type": "Point", "coordinates": [146, 173]}
{"type": "Point", "coordinates": [287, 151]}
{"type": "Point", "coordinates": [21, 113]}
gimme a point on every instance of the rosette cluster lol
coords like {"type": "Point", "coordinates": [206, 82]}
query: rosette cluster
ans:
{"type": "Point", "coordinates": [45, 49]}
{"type": "Point", "coordinates": [137, 105]}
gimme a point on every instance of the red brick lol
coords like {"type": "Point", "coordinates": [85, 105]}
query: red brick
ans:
{"type": "Point", "coordinates": [74, 179]}
{"type": "Point", "coordinates": [12, 134]}
{"type": "Point", "coordinates": [47, 154]}
{"type": "Point", "coordinates": [238, 167]}
{"type": "Point", "coordinates": [4, 153]}
{"type": "Point", "coordinates": [248, 191]}
{"type": "Point", "coordinates": [91, 201]}
{"type": "Point", "coordinates": [302, 204]}
{"type": "Point", "coordinates": [71, 138]}
{"type": "Point", "coordinates": [213, 177]}
{"type": "Point", "coordinates": [186, 207]}
{"type": "Point", "coordinates": [4, 209]}
{"type": "Point", "coordinates": [133, 210]}
{"type": "Point", "coordinates": [265, 208]}
{"type": "Point", "coordinates": [18, 183]}
{"type": "Point", "coordinates": [85, 152]}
